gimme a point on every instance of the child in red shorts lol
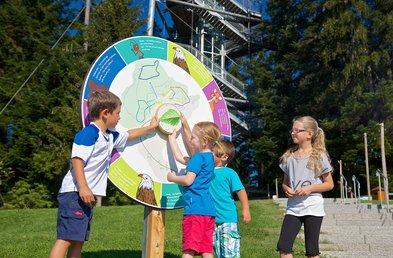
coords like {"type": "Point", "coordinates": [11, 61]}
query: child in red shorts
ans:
{"type": "Point", "coordinates": [199, 211]}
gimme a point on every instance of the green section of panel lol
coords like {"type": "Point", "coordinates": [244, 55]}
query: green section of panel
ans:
{"type": "Point", "coordinates": [127, 179]}
{"type": "Point", "coordinates": [124, 177]}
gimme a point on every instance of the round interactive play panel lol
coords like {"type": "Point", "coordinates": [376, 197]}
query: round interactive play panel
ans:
{"type": "Point", "coordinates": [153, 76]}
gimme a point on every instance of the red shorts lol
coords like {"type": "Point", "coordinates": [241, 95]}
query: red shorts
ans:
{"type": "Point", "coordinates": [198, 233]}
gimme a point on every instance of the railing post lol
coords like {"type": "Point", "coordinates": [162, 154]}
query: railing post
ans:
{"type": "Point", "coordinates": [378, 173]}
{"type": "Point", "coordinates": [358, 189]}
{"type": "Point", "coordinates": [344, 189]}
{"type": "Point", "coordinates": [354, 186]}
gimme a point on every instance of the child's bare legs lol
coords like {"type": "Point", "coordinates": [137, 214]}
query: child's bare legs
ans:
{"type": "Point", "coordinates": [285, 255]}
{"type": "Point", "coordinates": [188, 254]}
{"type": "Point", "coordinates": [73, 249]}
{"type": "Point", "coordinates": [60, 248]}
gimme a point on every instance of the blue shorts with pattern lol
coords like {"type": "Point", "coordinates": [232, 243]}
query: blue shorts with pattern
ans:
{"type": "Point", "coordinates": [226, 240]}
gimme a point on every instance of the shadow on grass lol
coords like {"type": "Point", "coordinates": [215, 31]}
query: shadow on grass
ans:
{"type": "Point", "coordinates": [121, 254]}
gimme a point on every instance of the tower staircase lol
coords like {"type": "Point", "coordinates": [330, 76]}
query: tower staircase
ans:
{"type": "Point", "coordinates": [237, 25]}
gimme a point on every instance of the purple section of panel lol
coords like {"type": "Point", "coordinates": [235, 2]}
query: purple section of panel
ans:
{"type": "Point", "coordinates": [218, 107]}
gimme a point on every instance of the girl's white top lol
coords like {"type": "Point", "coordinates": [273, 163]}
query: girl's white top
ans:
{"type": "Point", "coordinates": [300, 175]}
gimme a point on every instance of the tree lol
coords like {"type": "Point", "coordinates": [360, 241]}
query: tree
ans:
{"type": "Point", "coordinates": [44, 117]}
{"type": "Point", "coordinates": [328, 59]}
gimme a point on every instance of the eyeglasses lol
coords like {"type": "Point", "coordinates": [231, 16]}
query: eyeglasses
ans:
{"type": "Point", "coordinates": [296, 131]}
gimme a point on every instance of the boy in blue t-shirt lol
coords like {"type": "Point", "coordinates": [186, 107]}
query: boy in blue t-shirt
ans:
{"type": "Point", "coordinates": [88, 173]}
{"type": "Point", "coordinates": [226, 238]}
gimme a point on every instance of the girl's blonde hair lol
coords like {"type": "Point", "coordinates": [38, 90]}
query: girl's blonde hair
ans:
{"type": "Point", "coordinates": [317, 143]}
{"type": "Point", "coordinates": [208, 132]}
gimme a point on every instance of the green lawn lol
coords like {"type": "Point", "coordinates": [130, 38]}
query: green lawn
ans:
{"type": "Point", "coordinates": [117, 232]}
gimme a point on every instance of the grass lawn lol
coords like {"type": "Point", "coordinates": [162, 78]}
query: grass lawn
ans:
{"type": "Point", "coordinates": [117, 232]}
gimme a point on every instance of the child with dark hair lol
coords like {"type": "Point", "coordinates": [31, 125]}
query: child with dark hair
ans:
{"type": "Point", "coordinates": [226, 238]}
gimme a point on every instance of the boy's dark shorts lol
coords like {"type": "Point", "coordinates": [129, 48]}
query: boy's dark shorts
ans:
{"type": "Point", "coordinates": [73, 217]}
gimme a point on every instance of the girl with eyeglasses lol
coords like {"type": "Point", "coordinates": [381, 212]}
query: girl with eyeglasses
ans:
{"type": "Point", "coordinates": [307, 173]}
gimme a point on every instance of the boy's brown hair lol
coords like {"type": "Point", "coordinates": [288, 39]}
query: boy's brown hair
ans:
{"type": "Point", "coordinates": [100, 100]}
{"type": "Point", "coordinates": [224, 147]}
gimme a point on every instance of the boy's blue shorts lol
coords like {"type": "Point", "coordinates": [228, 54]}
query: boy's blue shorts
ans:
{"type": "Point", "coordinates": [73, 217]}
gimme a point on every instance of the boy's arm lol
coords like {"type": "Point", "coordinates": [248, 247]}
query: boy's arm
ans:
{"type": "Point", "coordinates": [184, 180]}
{"type": "Point", "coordinates": [176, 150]}
{"type": "Point", "coordinates": [242, 194]}
{"type": "Point", "coordinates": [85, 192]}
{"type": "Point", "coordinates": [187, 135]}
{"type": "Point", "coordinates": [139, 132]}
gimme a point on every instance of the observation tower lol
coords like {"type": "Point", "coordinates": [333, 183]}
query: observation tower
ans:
{"type": "Point", "coordinates": [217, 32]}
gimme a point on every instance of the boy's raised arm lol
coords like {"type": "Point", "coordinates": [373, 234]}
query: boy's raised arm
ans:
{"type": "Point", "coordinates": [139, 132]}
{"type": "Point", "coordinates": [242, 194]}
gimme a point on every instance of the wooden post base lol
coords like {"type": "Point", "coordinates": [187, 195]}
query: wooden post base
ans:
{"type": "Point", "coordinates": [153, 233]}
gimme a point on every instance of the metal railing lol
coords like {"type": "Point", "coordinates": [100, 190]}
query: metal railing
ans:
{"type": "Point", "coordinates": [246, 5]}
{"type": "Point", "coordinates": [216, 69]}
{"type": "Point", "coordinates": [385, 185]}
{"type": "Point", "coordinates": [252, 34]}
{"type": "Point", "coordinates": [344, 190]}
{"type": "Point", "coordinates": [356, 188]}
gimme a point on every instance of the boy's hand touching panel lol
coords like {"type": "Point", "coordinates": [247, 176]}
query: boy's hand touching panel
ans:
{"type": "Point", "coordinates": [154, 122]}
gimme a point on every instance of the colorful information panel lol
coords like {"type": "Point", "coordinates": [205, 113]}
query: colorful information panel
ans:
{"type": "Point", "coordinates": [146, 73]}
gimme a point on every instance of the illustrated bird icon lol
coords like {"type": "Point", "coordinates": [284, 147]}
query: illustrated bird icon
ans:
{"type": "Point", "coordinates": [145, 192]}
{"type": "Point", "coordinates": [93, 86]}
{"type": "Point", "coordinates": [179, 59]}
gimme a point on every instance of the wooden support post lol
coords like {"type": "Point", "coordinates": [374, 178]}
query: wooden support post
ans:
{"type": "Point", "coordinates": [276, 188]}
{"type": "Point", "coordinates": [367, 168]}
{"type": "Point", "coordinates": [98, 201]}
{"type": "Point", "coordinates": [384, 171]}
{"type": "Point", "coordinates": [87, 22]}
{"type": "Point", "coordinates": [153, 233]}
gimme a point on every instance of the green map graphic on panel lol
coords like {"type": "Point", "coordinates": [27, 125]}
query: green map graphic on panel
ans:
{"type": "Point", "coordinates": [144, 85]}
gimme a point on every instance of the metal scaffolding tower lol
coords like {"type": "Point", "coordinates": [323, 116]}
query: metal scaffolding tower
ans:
{"type": "Point", "coordinates": [216, 32]}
